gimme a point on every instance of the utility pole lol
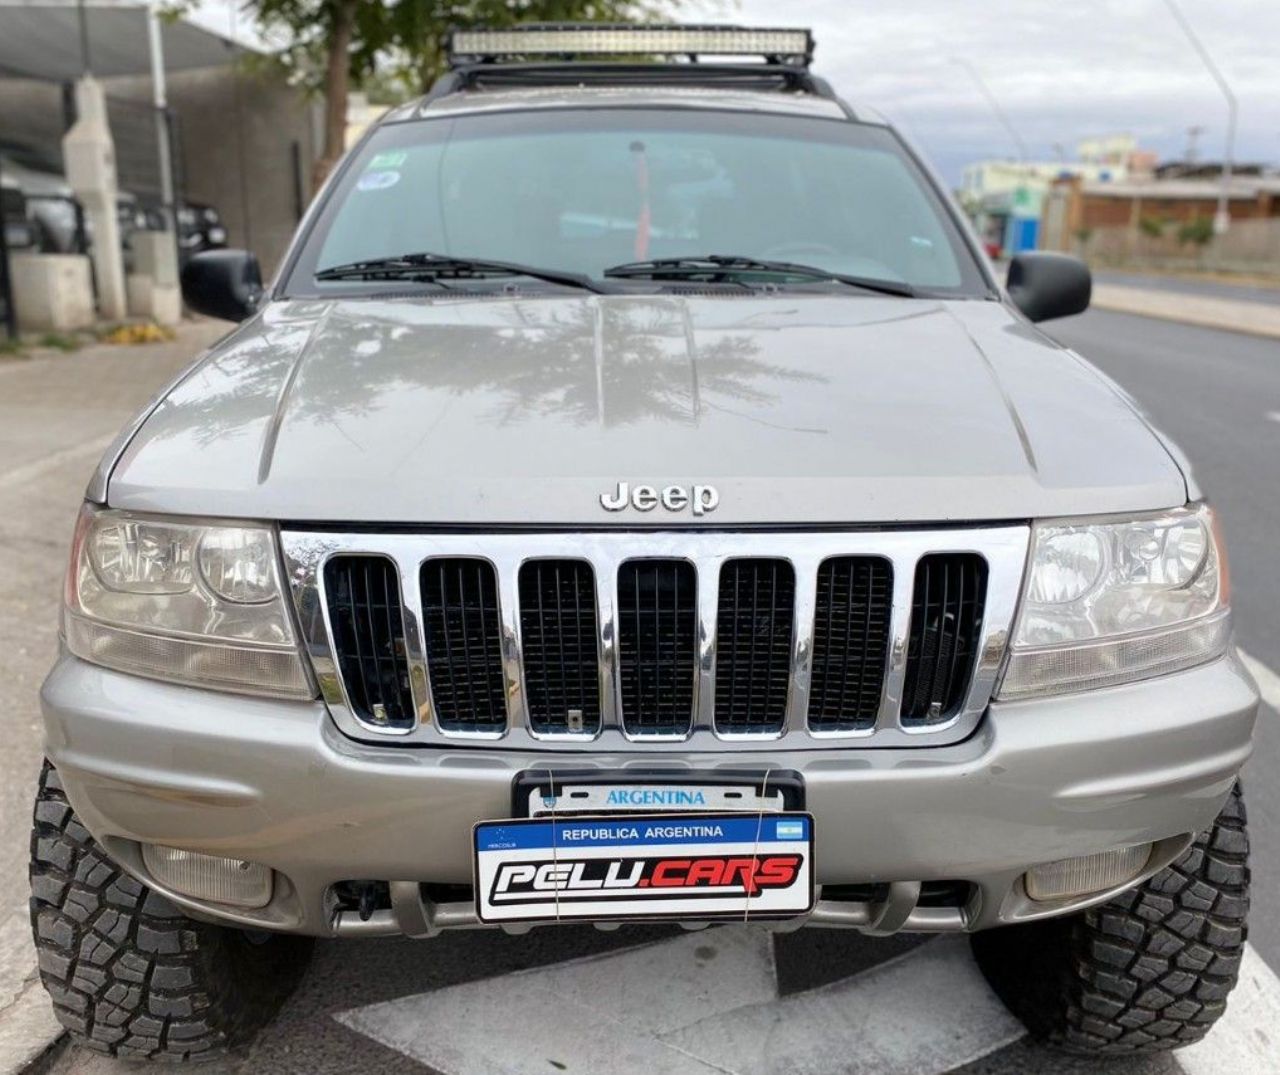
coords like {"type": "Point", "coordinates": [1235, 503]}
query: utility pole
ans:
{"type": "Point", "coordinates": [82, 18]}
{"type": "Point", "coordinates": [160, 108]}
{"type": "Point", "coordinates": [995, 106]}
{"type": "Point", "coordinates": [1222, 220]}
{"type": "Point", "coordinates": [1193, 150]}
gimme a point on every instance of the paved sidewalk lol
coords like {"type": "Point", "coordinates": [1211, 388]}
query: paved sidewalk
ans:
{"type": "Point", "coordinates": [1221, 286]}
{"type": "Point", "coordinates": [57, 414]}
{"type": "Point", "coordinates": [1210, 311]}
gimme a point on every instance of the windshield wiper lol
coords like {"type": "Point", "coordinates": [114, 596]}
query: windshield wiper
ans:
{"type": "Point", "coordinates": [427, 266]}
{"type": "Point", "coordinates": [723, 267]}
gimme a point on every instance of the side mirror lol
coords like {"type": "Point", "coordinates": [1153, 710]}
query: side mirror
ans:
{"type": "Point", "coordinates": [222, 283]}
{"type": "Point", "coordinates": [1044, 286]}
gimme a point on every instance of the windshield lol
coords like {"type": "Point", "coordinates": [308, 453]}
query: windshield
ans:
{"type": "Point", "coordinates": [584, 190]}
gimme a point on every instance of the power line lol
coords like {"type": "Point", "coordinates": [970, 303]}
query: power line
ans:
{"type": "Point", "coordinates": [995, 106]}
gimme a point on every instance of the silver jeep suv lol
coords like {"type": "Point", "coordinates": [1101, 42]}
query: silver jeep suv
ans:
{"type": "Point", "coordinates": [635, 499]}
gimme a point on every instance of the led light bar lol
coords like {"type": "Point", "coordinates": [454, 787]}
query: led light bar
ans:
{"type": "Point", "coordinates": [593, 40]}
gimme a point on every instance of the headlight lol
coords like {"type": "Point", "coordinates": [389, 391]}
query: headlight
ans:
{"type": "Point", "coordinates": [193, 603]}
{"type": "Point", "coordinates": [1108, 603]}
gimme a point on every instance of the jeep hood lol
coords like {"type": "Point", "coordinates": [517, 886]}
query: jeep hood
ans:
{"type": "Point", "coordinates": [800, 409]}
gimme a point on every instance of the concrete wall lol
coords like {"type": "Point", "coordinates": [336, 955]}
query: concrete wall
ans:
{"type": "Point", "coordinates": [237, 130]}
{"type": "Point", "coordinates": [30, 112]}
{"type": "Point", "coordinates": [1249, 246]}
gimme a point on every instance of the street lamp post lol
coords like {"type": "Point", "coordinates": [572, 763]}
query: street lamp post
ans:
{"type": "Point", "coordinates": [1222, 219]}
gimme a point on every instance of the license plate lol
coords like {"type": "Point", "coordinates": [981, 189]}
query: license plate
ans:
{"type": "Point", "coordinates": [644, 867]}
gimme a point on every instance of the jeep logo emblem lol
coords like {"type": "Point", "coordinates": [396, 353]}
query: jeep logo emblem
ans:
{"type": "Point", "coordinates": [701, 498]}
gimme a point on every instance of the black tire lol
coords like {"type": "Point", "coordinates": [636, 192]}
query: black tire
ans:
{"type": "Point", "coordinates": [129, 974]}
{"type": "Point", "coordinates": [1146, 972]}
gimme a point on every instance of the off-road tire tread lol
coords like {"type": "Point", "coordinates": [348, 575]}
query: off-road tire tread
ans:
{"type": "Point", "coordinates": [1146, 972]}
{"type": "Point", "coordinates": [128, 973]}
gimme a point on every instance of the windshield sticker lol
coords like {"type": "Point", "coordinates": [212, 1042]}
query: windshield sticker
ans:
{"type": "Point", "coordinates": [378, 180]}
{"type": "Point", "coordinates": [387, 160]}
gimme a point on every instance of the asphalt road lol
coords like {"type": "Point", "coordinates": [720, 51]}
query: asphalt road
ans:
{"type": "Point", "coordinates": [1213, 391]}
{"type": "Point", "coordinates": [1218, 395]}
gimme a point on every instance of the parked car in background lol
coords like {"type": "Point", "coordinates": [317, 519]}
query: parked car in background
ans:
{"type": "Point", "coordinates": [50, 204]}
{"type": "Point", "coordinates": [19, 235]}
{"type": "Point", "coordinates": [200, 228]}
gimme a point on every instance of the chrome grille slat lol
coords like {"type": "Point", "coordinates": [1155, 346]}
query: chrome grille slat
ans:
{"type": "Point", "coordinates": [1003, 549]}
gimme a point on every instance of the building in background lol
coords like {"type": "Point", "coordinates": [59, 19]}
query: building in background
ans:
{"type": "Point", "coordinates": [1167, 218]}
{"type": "Point", "coordinates": [1005, 199]}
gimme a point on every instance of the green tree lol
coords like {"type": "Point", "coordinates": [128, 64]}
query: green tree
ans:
{"type": "Point", "coordinates": [329, 45]}
{"type": "Point", "coordinates": [1198, 231]}
{"type": "Point", "coordinates": [418, 28]}
{"type": "Point", "coordinates": [1151, 226]}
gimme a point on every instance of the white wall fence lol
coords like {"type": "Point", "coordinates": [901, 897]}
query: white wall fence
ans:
{"type": "Point", "coordinates": [1248, 246]}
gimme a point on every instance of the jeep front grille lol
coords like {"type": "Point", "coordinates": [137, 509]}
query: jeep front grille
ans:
{"type": "Point", "coordinates": [946, 617]}
{"type": "Point", "coordinates": [657, 621]}
{"type": "Point", "coordinates": [658, 640]}
{"type": "Point", "coordinates": [850, 642]}
{"type": "Point", "coordinates": [753, 645]}
{"type": "Point", "coordinates": [368, 634]}
{"type": "Point", "coordinates": [559, 644]}
{"type": "Point", "coordinates": [463, 649]}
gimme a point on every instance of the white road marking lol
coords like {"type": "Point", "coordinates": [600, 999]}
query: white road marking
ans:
{"type": "Point", "coordinates": [608, 1010]}
{"type": "Point", "coordinates": [928, 1012]}
{"type": "Point", "coordinates": [1273, 416]}
{"type": "Point", "coordinates": [707, 1004]}
{"type": "Point", "coordinates": [698, 1005]}
{"type": "Point", "coordinates": [1267, 680]}
{"type": "Point", "coordinates": [1246, 1041]}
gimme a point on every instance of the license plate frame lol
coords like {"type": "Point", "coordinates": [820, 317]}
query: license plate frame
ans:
{"type": "Point", "coordinates": [784, 786]}
{"type": "Point", "coordinates": [656, 867]}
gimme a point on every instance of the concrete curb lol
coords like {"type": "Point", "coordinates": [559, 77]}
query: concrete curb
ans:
{"type": "Point", "coordinates": [1255, 318]}
{"type": "Point", "coordinates": [28, 1028]}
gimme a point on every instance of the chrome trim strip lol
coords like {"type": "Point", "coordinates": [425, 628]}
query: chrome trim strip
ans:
{"type": "Point", "coordinates": [895, 677]}
{"type": "Point", "coordinates": [806, 567]}
{"type": "Point", "coordinates": [507, 571]}
{"type": "Point", "coordinates": [1004, 548]}
{"type": "Point", "coordinates": [606, 569]}
{"type": "Point", "coordinates": [708, 595]}
{"type": "Point", "coordinates": [415, 641]}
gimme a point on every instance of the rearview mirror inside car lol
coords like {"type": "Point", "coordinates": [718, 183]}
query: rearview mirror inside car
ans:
{"type": "Point", "coordinates": [1044, 285]}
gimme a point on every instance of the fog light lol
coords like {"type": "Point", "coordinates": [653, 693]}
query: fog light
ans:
{"type": "Point", "coordinates": [209, 877]}
{"type": "Point", "coordinates": [1087, 874]}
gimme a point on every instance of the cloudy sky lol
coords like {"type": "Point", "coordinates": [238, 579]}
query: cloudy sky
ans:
{"type": "Point", "coordinates": [1063, 70]}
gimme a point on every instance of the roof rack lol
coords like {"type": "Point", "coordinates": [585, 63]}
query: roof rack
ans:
{"type": "Point", "coordinates": [593, 41]}
{"type": "Point", "coordinates": [744, 76]}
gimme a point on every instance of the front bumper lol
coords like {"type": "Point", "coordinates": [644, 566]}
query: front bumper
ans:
{"type": "Point", "coordinates": [277, 783]}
